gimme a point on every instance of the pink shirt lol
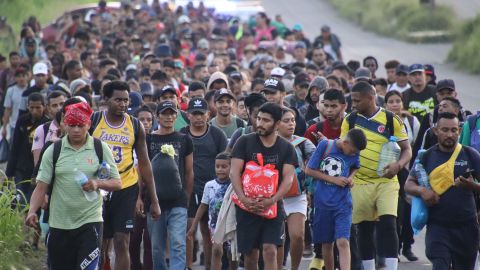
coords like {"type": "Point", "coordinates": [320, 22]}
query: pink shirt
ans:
{"type": "Point", "coordinates": [40, 137]}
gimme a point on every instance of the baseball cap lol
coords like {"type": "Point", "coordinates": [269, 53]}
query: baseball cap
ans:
{"type": "Point", "coordinates": [429, 69]}
{"type": "Point", "coordinates": [203, 44]}
{"type": "Point", "coordinates": [135, 100]}
{"type": "Point", "coordinates": [297, 27]}
{"type": "Point", "coordinates": [235, 75]}
{"type": "Point", "coordinates": [402, 69]}
{"type": "Point", "coordinates": [273, 85]}
{"type": "Point", "coordinates": [167, 88]}
{"type": "Point", "coordinates": [183, 19]}
{"type": "Point", "coordinates": [300, 44]}
{"type": "Point", "coordinates": [223, 92]}
{"type": "Point", "coordinates": [277, 72]}
{"type": "Point", "coordinates": [169, 63]}
{"type": "Point", "coordinates": [131, 67]}
{"type": "Point", "coordinates": [446, 84]}
{"type": "Point", "coordinates": [163, 50]}
{"type": "Point", "coordinates": [415, 68]}
{"type": "Point", "coordinates": [166, 105]}
{"type": "Point", "coordinates": [325, 28]}
{"type": "Point", "coordinates": [40, 68]}
{"type": "Point", "coordinates": [197, 105]}
{"type": "Point", "coordinates": [363, 73]}
{"type": "Point", "coordinates": [301, 79]}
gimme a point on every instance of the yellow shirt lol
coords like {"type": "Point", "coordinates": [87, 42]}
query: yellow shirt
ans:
{"type": "Point", "coordinates": [120, 139]}
{"type": "Point", "coordinates": [377, 134]}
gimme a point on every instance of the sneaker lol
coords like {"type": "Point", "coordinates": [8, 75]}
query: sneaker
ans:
{"type": "Point", "coordinates": [407, 252]}
{"type": "Point", "coordinates": [316, 264]}
{"type": "Point", "coordinates": [307, 251]}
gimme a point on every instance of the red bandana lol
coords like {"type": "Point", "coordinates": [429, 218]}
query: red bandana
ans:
{"type": "Point", "coordinates": [77, 114]}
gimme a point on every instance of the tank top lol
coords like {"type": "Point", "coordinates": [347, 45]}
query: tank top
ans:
{"type": "Point", "coordinates": [121, 141]}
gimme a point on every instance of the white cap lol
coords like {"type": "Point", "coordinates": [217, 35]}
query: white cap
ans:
{"type": "Point", "coordinates": [278, 71]}
{"type": "Point", "coordinates": [40, 68]}
{"type": "Point", "coordinates": [131, 67]}
{"type": "Point", "coordinates": [183, 19]}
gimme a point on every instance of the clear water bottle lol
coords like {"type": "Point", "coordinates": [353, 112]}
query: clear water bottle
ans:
{"type": "Point", "coordinates": [390, 153]}
{"type": "Point", "coordinates": [103, 173]}
{"type": "Point", "coordinates": [420, 172]}
{"type": "Point", "coordinates": [82, 179]}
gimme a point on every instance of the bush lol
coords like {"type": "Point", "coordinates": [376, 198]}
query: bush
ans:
{"type": "Point", "coordinates": [465, 52]}
{"type": "Point", "coordinates": [399, 18]}
{"type": "Point", "coordinates": [12, 235]}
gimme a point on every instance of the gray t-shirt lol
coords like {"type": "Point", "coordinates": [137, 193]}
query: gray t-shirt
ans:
{"type": "Point", "coordinates": [13, 100]}
{"type": "Point", "coordinates": [230, 129]}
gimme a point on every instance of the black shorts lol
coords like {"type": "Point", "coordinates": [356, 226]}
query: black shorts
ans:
{"type": "Point", "coordinates": [195, 201]}
{"type": "Point", "coordinates": [119, 211]}
{"type": "Point", "coordinates": [253, 230]}
{"type": "Point", "coordinates": [75, 249]}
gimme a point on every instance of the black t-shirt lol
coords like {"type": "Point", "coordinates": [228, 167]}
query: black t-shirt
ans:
{"type": "Point", "coordinates": [206, 149]}
{"type": "Point", "coordinates": [282, 152]}
{"type": "Point", "coordinates": [183, 147]}
{"type": "Point", "coordinates": [419, 104]}
{"type": "Point", "coordinates": [456, 205]}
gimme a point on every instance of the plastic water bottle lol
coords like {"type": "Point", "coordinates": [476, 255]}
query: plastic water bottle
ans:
{"type": "Point", "coordinates": [390, 153]}
{"type": "Point", "coordinates": [82, 179]}
{"type": "Point", "coordinates": [420, 172]}
{"type": "Point", "coordinates": [103, 173]}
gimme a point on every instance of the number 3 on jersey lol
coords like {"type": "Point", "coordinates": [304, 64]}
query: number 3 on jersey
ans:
{"type": "Point", "coordinates": [117, 154]}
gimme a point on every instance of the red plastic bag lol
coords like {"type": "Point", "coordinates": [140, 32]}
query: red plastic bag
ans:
{"type": "Point", "coordinates": [259, 181]}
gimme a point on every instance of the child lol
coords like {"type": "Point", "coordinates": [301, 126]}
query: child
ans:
{"type": "Point", "coordinates": [334, 164]}
{"type": "Point", "coordinates": [212, 199]}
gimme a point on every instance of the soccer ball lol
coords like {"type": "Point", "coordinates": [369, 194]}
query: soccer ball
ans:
{"type": "Point", "coordinates": [332, 167]}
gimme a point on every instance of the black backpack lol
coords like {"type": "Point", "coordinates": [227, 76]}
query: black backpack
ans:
{"type": "Point", "coordinates": [57, 148]}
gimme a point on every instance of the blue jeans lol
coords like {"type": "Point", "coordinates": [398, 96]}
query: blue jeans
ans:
{"type": "Point", "coordinates": [173, 221]}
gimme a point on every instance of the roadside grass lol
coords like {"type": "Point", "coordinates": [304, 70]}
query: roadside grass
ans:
{"type": "Point", "coordinates": [13, 235]}
{"type": "Point", "coordinates": [406, 19]}
{"type": "Point", "coordinates": [18, 11]}
{"type": "Point", "coordinates": [465, 53]}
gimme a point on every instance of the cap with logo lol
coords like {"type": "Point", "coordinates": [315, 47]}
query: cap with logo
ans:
{"type": "Point", "coordinates": [415, 68]}
{"type": "Point", "coordinates": [166, 105]}
{"type": "Point", "coordinates": [168, 88]}
{"type": "Point", "coordinates": [277, 72]}
{"type": "Point", "coordinates": [40, 68]}
{"type": "Point", "coordinates": [402, 69]}
{"type": "Point", "coordinates": [273, 85]}
{"type": "Point", "coordinates": [30, 41]}
{"type": "Point", "coordinates": [197, 105]}
{"type": "Point", "coordinates": [222, 93]}
{"type": "Point", "coordinates": [446, 84]}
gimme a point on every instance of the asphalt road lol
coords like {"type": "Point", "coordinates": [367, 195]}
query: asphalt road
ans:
{"type": "Point", "coordinates": [358, 43]}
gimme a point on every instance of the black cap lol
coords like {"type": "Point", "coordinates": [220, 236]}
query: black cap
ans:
{"type": "Point", "coordinates": [301, 78]}
{"type": "Point", "coordinates": [402, 69]}
{"type": "Point", "coordinates": [223, 92]}
{"type": "Point", "coordinates": [168, 88]}
{"type": "Point", "coordinates": [446, 84]}
{"type": "Point", "coordinates": [166, 105]}
{"type": "Point", "coordinates": [169, 63]}
{"type": "Point", "coordinates": [30, 41]}
{"type": "Point", "coordinates": [235, 75]}
{"type": "Point", "coordinates": [273, 85]}
{"type": "Point", "coordinates": [197, 105]}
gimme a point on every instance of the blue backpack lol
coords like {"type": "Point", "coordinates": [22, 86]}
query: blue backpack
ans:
{"type": "Point", "coordinates": [474, 132]}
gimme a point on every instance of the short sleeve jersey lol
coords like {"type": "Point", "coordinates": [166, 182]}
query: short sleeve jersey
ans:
{"type": "Point", "coordinates": [377, 135]}
{"type": "Point", "coordinates": [336, 163]}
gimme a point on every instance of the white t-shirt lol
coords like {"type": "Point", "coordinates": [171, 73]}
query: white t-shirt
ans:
{"type": "Point", "coordinates": [395, 86]}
